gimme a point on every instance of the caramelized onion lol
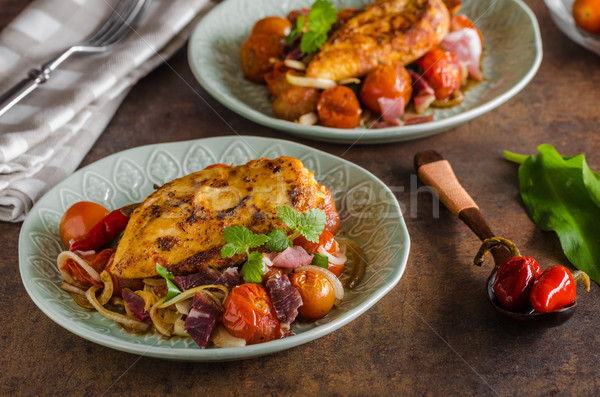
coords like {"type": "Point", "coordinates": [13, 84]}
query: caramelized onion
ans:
{"type": "Point", "coordinates": [308, 119]}
{"type": "Point", "coordinates": [294, 64]}
{"type": "Point", "coordinates": [313, 82]}
{"type": "Point", "coordinates": [338, 259]}
{"type": "Point", "coordinates": [118, 317]}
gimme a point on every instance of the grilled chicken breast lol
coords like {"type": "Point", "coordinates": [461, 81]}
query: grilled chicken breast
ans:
{"type": "Point", "coordinates": [180, 226]}
{"type": "Point", "coordinates": [387, 31]}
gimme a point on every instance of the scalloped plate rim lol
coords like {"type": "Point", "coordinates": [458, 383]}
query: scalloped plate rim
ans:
{"type": "Point", "coordinates": [214, 354]}
{"type": "Point", "coordinates": [361, 135]}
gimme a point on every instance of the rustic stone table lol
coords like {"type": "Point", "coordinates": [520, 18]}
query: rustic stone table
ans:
{"type": "Point", "coordinates": [433, 334]}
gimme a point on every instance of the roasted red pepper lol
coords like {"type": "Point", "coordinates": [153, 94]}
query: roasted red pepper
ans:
{"type": "Point", "coordinates": [555, 289]}
{"type": "Point", "coordinates": [105, 230]}
{"type": "Point", "coordinates": [515, 276]}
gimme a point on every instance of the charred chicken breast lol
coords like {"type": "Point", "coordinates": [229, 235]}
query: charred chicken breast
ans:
{"type": "Point", "coordinates": [387, 31]}
{"type": "Point", "coordinates": [180, 225]}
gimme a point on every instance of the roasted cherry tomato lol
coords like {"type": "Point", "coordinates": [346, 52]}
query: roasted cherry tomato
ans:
{"type": "Point", "coordinates": [275, 26]}
{"type": "Point", "coordinates": [249, 314]}
{"type": "Point", "coordinates": [443, 72]}
{"type": "Point", "coordinates": [257, 53]}
{"type": "Point", "coordinates": [587, 15]}
{"type": "Point", "coordinates": [339, 108]}
{"type": "Point", "coordinates": [462, 21]}
{"type": "Point", "coordinates": [333, 217]}
{"type": "Point", "coordinates": [554, 289]}
{"type": "Point", "coordinates": [388, 82]}
{"type": "Point", "coordinates": [325, 239]}
{"type": "Point", "coordinates": [514, 280]}
{"type": "Point", "coordinates": [78, 220]}
{"type": "Point", "coordinates": [317, 294]}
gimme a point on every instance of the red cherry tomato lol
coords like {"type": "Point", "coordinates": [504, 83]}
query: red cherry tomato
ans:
{"type": "Point", "coordinates": [587, 15]}
{"type": "Point", "coordinates": [554, 289]}
{"type": "Point", "coordinates": [275, 26]}
{"type": "Point", "coordinates": [249, 314]}
{"type": "Point", "coordinates": [462, 21]}
{"type": "Point", "coordinates": [325, 239]}
{"type": "Point", "coordinates": [78, 220]}
{"type": "Point", "coordinates": [333, 217]}
{"type": "Point", "coordinates": [442, 70]}
{"type": "Point", "coordinates": [386, 81]}
{"type": "Point", "coordinates": [339, 108]}
{"type": "Point", "coordinates": [256, 54]}
{"type": "Point", "coordinates": [317, 294]}
{"type": "Point", "coordinates": [514, 280]}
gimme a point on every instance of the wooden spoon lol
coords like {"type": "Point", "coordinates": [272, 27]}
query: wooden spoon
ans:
{"type": "Point", "coordinates": [437, 173]}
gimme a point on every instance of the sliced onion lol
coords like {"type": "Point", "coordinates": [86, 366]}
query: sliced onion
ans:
{"type": "Point", "coordinates": [72, 289]}
{"type": "Point", "coordinates": [456, 99]}
{"type": "Point", "coordinates": [338, 259]}
{"type": "Point", "coordinates": [179, 328]}
{"type": "Point", "coordinates": [222, 338]}
{"type": "Point", "coordinates": [189, 293]}
{"type": "Point", "coordinates": [349, 80]}
{"type": "Point", "coordinates": [184, 307]}
{"type": "Point", "coordinates": [314, 82]}
{"type": "Point", "coordinates": [118, 317]}
{"type": "Point", "coordinates": [107, 290]}
{"type": "Point", "coordinates": [337, 285]}
{"type": "Point", "coordinates": [62, 258]}
{"type": "Point", "coordinates": [266, 264]}
{"type": "Point", "coordinates": [308, 119]}
{"type": "Point", "coordinates": [294, 64]}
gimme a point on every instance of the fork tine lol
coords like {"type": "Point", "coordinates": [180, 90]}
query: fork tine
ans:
{"type": "Point", "coordinates": [127, 26]}
{"type": "Point", "coordinates": [118, 21]}
{"type": "Point", "coordinates": [114, 16]}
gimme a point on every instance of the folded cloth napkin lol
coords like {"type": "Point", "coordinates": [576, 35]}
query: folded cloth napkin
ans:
{"type": "Point", "coordinates": [45, 136]}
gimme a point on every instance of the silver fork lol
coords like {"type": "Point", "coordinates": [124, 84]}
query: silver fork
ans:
{"type": "Point", "coordinates": [112, 32]}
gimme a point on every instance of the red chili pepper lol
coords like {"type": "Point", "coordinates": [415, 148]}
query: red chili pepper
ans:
{"type": "Point", "coordinates": [514, 280]}
{"type": "Point", "coordinates": [105, 230]}
{"type": "Point", "coordinates": [555, 289]}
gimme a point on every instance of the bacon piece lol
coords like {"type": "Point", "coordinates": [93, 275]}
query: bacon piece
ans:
{"type": "Point", "coordinates": [202, 319]}
{"type": "Point", "coordinates": [466, 45]}
{"type": "Point", "coordinates": [391, 108]}
{"type": "Point", "coordinates": [292, 257]}
{"type": "Point", "coordinates": [135, 303]}
{"type": "Point", "coordinates": [230, 278]}
{"type": "Point", "coordinates": [388, 123]}
{"type": "Point", "coordinates": [205, 276]}
{"type": "Point", "coordinates": [286, 299]}
{"type": "Point", "coordinates": [411, 119]}
{"type": "Point", "coordinates": [423, 93]}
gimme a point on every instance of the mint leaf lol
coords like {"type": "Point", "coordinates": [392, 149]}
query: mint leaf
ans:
{"type": "Point", "coordinates": [239, 239]}
{"type": "Point", "coordinates": [288, 216]}
{"type": "Point", "coordinates": [278, 241]}
{"type": "Point", "coordinates": [314, 29]}
{"type": "Point", "coordinates": [321, 16]}
{"type": "Point", "coordinates": [252, 269]}
{"type": "Point", "coordinates": [320, 260]}
{"type": "Point", "coordinates": [312, 41]}
{"type": "Point", "coordinates": [172, 289]}
{"type": "Point", "coordinates": [311, 224]}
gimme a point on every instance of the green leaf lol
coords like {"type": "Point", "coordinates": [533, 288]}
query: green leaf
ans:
{"type": "Point", "coordinates": [172, 289]}
{"type": "Point", "coordinates": [315, 27]}
{"type": "Point", "coordinates": [563, 194]}
{"type": "Point", "coordinates": [252, 269]}
{"type": "Point", "coordinates": [278, 241]}
{"type": "Point", "coordinates": [321, 16]}
{"type": "Point", "coordinates": [320, 260]}
{"type": "Point", "coordinates": [288, 216]}
{"type": "Point", "coordinates": [296, 31]}
{"type": "Point", "coordinates": [312, 41]}
{"type": "Point", "coordinates": [311, 224]}
{"type": "Point", "coordinates": [239, 239]}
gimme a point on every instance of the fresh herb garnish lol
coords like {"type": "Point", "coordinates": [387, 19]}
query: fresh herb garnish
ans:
{"type": "Point", "coordinates": [563, 194]}
{"type": "Point", "coordinates": [313, 28]}
{"type": "Point", "coordinates": [239, 239]}
{"type": "Point", "coordinates": [172, 289]}
{"type": "Point", "coordinates": [309, 224]}
{"type": "Point", "coordinates": [320, 260]}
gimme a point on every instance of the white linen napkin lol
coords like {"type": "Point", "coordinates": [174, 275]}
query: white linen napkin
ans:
{"type": "Point", "coordinates": [45, 136]}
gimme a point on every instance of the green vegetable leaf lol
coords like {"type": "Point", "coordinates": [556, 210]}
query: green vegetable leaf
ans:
{"type": "Point", "coordinates": [562, 194]}
{"type": "Point", "coordinates": [315, 27]}
{"type": "Point", "coordinates": [311, 224]}
{"type": "Point", "coordinates": [239, 240]}
{"type": "Point", "coordinates": [320, 260]}
{"type": "Point", "coordinates": [288, 216]}
{"type": "Point", "coordinates": [252, 269]}
{"type": "Point", "coordinates": [278, 241]}
{"type": "Point", "coordinates": [172, 289]}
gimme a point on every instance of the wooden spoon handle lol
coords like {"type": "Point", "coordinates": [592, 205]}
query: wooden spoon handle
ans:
{"type": "Point", "coordinates": [437, 172]}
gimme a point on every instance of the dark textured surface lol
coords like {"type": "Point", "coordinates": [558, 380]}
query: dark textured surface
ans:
{"type": "Point", "coordinates": [434, 334]}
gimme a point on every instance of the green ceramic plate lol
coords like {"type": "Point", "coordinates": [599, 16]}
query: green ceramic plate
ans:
{"type": "Point", "coordinates": [513, 52]}
{"type": "Point", "coordinates": [369, 211]}
{"type": "Point", "coordinates": [560, 11]}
